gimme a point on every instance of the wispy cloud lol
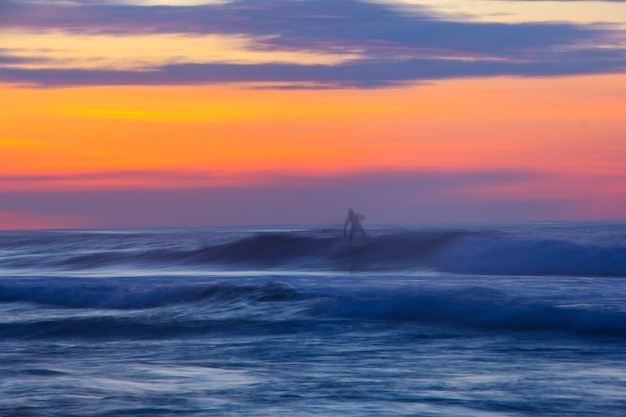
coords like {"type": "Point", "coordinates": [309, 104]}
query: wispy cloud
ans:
{"type": "Point", "coordinates": [372, 44]}
{"type": "Point", "coordinates": [132, 179]}
{"type": "Point", "coordinates": [385, 196]}
{"type": "Point", "coordinates": [369, 74]}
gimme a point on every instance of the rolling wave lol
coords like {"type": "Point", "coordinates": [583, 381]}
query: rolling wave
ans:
{"type": "Point", "coordinates": [454, 251]}
{"type": "Point", "coordinates": [131, 295]}
{"type": "Point", "coordinates": [480, 308]}
{"type": "Point", "coordinates": [173, 310]}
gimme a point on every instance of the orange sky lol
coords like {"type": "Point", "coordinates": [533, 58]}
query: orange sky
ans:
{"type": "Point", "coordinates": [154, 105]}
{"type": "Point", "coordinates": [573, 123]}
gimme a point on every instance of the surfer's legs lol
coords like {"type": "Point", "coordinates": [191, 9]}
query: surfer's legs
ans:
{"type": "Point", "coordinates": [363, 231]}
{"type": "Point", "coordinates": [355, 229]}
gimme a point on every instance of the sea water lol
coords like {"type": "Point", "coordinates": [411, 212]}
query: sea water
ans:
{"type": "Point", "coordinates": [470, 320]}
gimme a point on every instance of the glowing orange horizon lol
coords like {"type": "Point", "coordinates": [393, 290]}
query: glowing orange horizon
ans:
{"type": "Point", "coordinates": [461, 124]}
{"type": "Point", "coordinates": [97, 138]}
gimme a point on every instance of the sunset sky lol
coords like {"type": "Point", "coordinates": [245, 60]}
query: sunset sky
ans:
{"type": "Point", "coordinates": [165, 113]}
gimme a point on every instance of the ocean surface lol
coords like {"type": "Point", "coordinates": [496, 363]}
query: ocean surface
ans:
{"type": "Point", "coordinates": [523, 319]}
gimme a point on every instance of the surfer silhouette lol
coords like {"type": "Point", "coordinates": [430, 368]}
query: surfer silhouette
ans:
{"type": "Point", "coordinates": [354, 219]}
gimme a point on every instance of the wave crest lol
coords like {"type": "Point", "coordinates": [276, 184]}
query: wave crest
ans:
{"type": "Point", "coordinates": [454, 251]}
{"type": "Point", "coordinates": [476, 307]}
{"type": "Point", "coordinates": [175, 309]}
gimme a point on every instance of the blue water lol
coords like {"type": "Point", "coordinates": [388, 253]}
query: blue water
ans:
{"type": "Point", "coordinates": [470, 320]}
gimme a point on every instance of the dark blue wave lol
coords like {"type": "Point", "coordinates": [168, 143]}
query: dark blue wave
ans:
{"type": "Point", "coordinates": [120, 296]}
{"type": "Point", "coordinates": [455, 251]}
{"type": "Point", "coordinates": [448, 251]}
{"type": "Point", "coordinates": [480, 308]}
{"type": "Point", "coordinates": [140, 310]}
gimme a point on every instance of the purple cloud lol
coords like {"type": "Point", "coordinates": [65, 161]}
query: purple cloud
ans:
{"type": "Point", "coordinates": [397, 45]}
{"type": "Point", "coordinates": [363, 74]}
{"type": "Point", "coordinates": [385, 197]}
{"type": "Point", "coordinates": [311, 24]}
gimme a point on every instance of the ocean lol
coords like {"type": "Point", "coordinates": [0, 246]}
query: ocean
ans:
{"type": "Point", "coordinates": [525, 319]}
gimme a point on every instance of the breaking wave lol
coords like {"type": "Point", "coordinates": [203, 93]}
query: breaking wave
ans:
{"type": "Point", "coordinates": [478, 307]}
{"type": "Point", "coordinates": [163, 311]}
{"type": "Point", "coordinates": [454, 251]}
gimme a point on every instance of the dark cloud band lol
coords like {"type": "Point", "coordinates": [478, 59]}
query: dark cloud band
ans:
{"type": "Point", "coordinates": [397, 45]}
{"type": "Point", "coordinates": [363, 74]}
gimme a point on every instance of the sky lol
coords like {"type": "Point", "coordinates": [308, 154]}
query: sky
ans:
{"type": "Point", "coordinates": [166, 113]}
